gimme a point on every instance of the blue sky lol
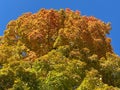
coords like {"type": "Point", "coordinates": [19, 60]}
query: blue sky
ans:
{"type": "Point", "coordinates": [106, 10]}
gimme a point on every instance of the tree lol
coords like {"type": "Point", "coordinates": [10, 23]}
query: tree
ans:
{"type": "Point", "coordinates": [58, 50]}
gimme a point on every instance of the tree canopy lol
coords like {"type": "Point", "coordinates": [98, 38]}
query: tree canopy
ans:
{"type": "Point", "coordinates": [58, 50]}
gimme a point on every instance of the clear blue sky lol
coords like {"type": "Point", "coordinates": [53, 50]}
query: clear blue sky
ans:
{"type": "Point", "coordinates": [106, 10]}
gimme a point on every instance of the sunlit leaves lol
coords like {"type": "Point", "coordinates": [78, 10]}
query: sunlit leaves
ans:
{"type": "Point", "coordinates": [91, 81]}
{"type": "Point", "coordinates": [42, 31]}
{"type": "Point", "coordinates": [57, 50]}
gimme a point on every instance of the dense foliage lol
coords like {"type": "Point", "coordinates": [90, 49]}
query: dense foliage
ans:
{"type": "Point", "coordinates": [58, 50]}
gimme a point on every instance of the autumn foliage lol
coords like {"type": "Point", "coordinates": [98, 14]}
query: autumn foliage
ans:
{"type": "Point", "coordinates": [48, 29]}
{"type": "Point", "coordinates": [58, 50]}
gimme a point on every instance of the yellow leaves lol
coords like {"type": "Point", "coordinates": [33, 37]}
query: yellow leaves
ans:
{"type": "Point", "coordinates": [25, 15]}
{"type": "Point", "coordinates": [108, 40]}
{"type": "Point", "coordinates": [58, 47]}
{"type": "Point", "coordinates": [11, 24]}
{"type": "Point", "coordinates": [31, 56]}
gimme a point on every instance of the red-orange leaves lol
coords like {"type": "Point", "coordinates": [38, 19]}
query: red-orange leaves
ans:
{"type": "Point", "coordinates": [42, 31]}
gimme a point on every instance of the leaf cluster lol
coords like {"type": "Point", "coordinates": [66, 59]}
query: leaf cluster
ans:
{"type": "Point", "coordinates": [58, 50]}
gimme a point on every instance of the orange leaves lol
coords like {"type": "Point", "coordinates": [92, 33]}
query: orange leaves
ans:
{"type": "Point", "coordinates": [108, 40]}
{"type": "Point", "coordinates": [68, 10]}
{"type": "Point", "coordinates": [64, 44]}
{"type": "Point", "coordinates": [43, 30]}
{"type": "Point", "coordinates": [35, 35]}
{"type": "Point", "coordinates": [77, 12]}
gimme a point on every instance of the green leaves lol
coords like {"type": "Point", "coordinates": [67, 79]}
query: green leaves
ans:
{"type": "Point", "coordinates": [6, 79]}
{"type": "Point", "coordinates": [58, 50]}
{"type": "Point", "coordinates": [110, 69]}
{"type": "Point", "coordinates": [91, 81]}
